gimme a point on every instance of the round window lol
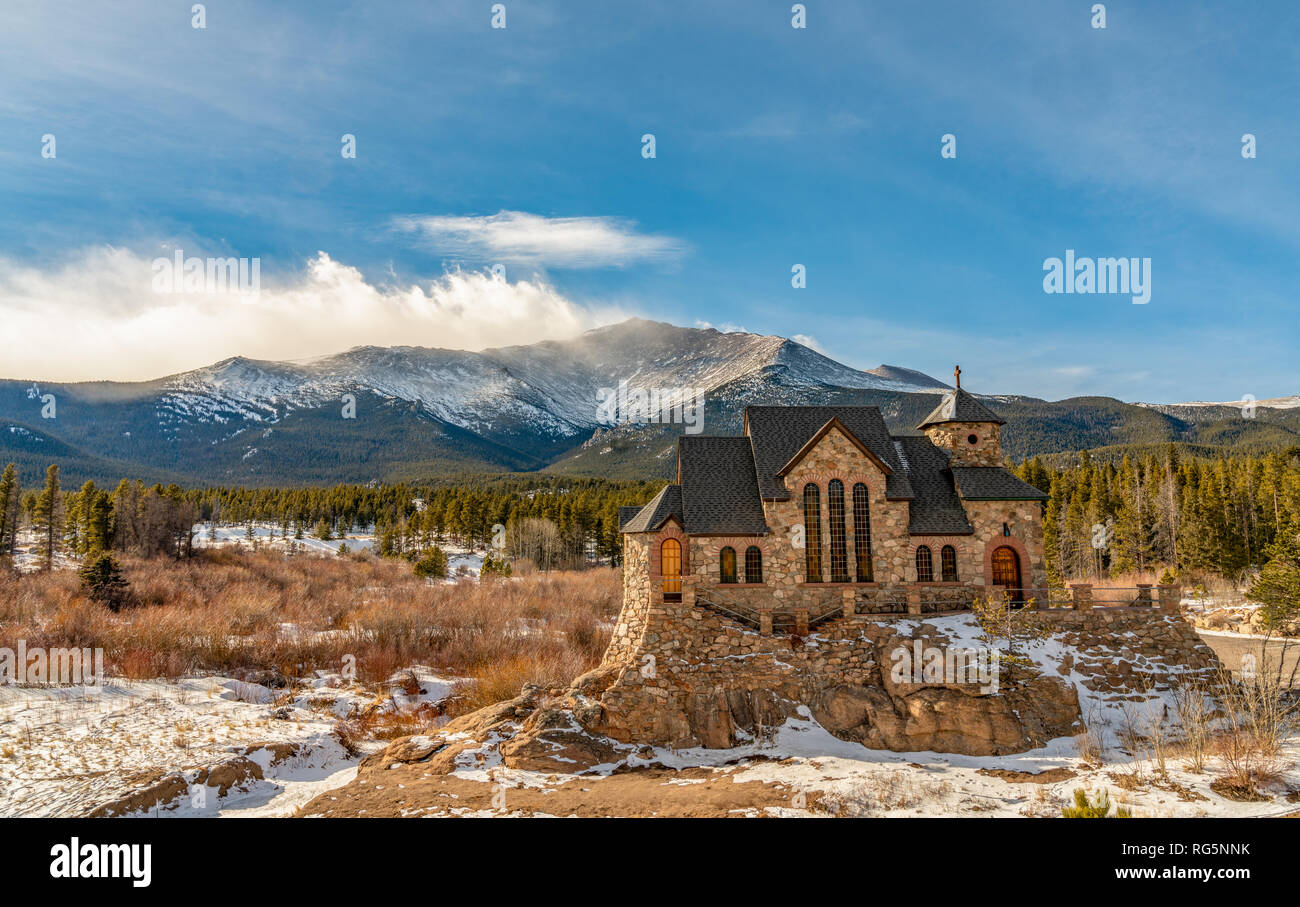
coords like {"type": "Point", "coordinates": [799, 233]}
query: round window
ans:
{"type": "Point", "coordinates": [973, 439]}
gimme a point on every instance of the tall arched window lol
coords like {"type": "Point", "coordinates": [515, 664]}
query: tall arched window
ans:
{"type": "Point", "coordinates": [753, 564]}
{"type": "Point", "coordinates": [924, 565]}
{"type": "Point", "coordinates": [670, 569]}
{"type": "Point", "coordinates": [862, 534]}
{"type": "Point", "coordinates": [839, 549]}
{"type": "Point", "coordinates": [948, 563]}
{"type": "Point", "coordinates": [727, 565]}
{"type": "Point", "coordinates": [812, 533]}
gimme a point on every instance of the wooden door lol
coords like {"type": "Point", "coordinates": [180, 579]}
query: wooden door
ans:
{"type": "Point", "coordinates": [1006, 572]}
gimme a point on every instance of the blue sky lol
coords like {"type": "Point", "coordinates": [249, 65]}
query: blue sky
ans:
{"type": "Point", "coordinates": [775, 146]}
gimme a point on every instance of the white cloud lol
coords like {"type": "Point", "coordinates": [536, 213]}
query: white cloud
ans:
{"type": "Point", "coordinates": [561, 242]}
{"type": "Point", "coordinates": [809, 341]}
{"type": "Point", "coordinates": [727, 327]}
{"type": "Point", "coordinates": [97, 317]}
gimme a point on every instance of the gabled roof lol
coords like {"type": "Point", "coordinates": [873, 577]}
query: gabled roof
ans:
{"type": "Point", "coordinates": [779, 433]}
{"type": "Point", "coordinates": [626, 513]}
{"type": "Point", "coordinates": [666, 504]}
{"type": "Point", "coordinates": [936, 509]}
{"type": "Point", "coordinates": [993, 483]}
{"type": "Point", "coordinates": [719, 486]}
{"type": "Point", "coordinates": [836, 424]}
{"type": "Point", "coordinates": [959, 406]}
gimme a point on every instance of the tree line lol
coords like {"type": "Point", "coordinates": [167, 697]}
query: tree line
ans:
{"type": "Point", "coordinates": [1219, 516]}
{"type": "Point", "coordinates": [556, 522]}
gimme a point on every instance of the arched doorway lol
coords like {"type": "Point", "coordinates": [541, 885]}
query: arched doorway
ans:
{"type": "Point", "coordinates": [670, 568]}
{"type": "Point", "coordinates": [1006, 572]}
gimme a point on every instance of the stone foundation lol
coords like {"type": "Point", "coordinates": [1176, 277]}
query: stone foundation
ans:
{"type": "Point", "coordinates": [692, 677]}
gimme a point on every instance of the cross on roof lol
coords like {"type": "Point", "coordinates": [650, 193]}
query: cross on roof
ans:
{"type": "Point", "coordinates": [956, 373]}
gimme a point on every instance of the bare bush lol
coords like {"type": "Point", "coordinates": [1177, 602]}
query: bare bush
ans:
{"type": "Point", "coordinates": [226, 611]}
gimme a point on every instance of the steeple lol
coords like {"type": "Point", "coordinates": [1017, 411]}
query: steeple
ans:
{"type": "Point", "coordinates": [966, 428]}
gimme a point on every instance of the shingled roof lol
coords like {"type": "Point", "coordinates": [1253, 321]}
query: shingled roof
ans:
{"type": "Point", "coordinates": [719, 486]}
{"type": "Point", "coordinates": [625, 514]}
{"type": "Point", "coordinates": [936, 509]}
{"type": "Point", "coordinates": [959, 406]}
{"type": "Point", "coordinates": [993, 483]}
{"type": "Point", "coordinates": [779, 432]}
{"type": "Point", "coordinates": [667, 503]}
{"type": "Point", "coordinates": [722, 481]}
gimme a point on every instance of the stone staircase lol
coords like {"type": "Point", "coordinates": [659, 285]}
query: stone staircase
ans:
{"type": "Point", "coordinates": [796, 621]}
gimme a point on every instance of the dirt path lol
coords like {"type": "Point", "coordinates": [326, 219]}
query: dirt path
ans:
{"type": "Point", "coordinates": [1232, 649]}
{"type": "Point", "coordinates": [410, 790]}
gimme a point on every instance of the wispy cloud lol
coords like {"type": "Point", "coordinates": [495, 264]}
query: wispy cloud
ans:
{"type": "Point", "coordinates": [558, 242]}
{"type": "Point", "coordinates": [96, 317]}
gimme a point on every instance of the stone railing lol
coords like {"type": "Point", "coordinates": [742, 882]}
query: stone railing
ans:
{"type": "Point", "coordinates": [1086, 596]}
{"type": "Point", "coordinates": [799, 621]}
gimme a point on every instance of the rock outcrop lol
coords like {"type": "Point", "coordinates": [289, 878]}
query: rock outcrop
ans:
{"type": "Point", "coordinates": [738, 686]}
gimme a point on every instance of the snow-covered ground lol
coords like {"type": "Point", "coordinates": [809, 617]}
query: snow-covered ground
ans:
{"type": "Point", "coordinates": [461, 561]}
{"type": "Point", "coordinates": [64, 750]}
{"type": "Point", "coordinates": [1224, 616]}
{"type": "Point", "coordinates": [804, 770]}
{"type": "Point", "coordinates": [822, 775]}
{"type": "Point", "coordinates": [807, 758]}
{"type": "Point", "coordinates": [27, 554]}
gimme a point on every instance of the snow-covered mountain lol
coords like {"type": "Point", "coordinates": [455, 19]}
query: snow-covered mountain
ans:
{"type": "Point", "coordinates": [518, 407]}
{"type": "Point", "coordinates": [410, 413]}
{"type": "Point", "coordinates": [552, 387]}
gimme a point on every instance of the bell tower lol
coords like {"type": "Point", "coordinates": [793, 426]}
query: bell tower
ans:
{"type": "Point", "coordinates": [961, 425]}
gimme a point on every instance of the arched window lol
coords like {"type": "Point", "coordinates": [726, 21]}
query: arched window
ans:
{"type": "Point", "coordinates": [924, 565]}
{"type": "Point", "coordinates": [862, 534]}
{"type": "Point", "coordinates": [753, 564]}
{"type": "Point", "coordinates": [839, 550]}
{"type": "Point", "coordinates": [812, 529]}
{"type": "Point", "coordinates": [670, 569]}
{"type": "Point", "coordinates": [727, 565]}
{"type": "Point", "coordinates": [948, 563]}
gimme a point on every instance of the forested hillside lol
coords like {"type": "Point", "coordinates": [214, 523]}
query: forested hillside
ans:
{"type": "Point", "coordinates": [1160, 510]}
{"type": "Point", "coordinates": [1215, 516]}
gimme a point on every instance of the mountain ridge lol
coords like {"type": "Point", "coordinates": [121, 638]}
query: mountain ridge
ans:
{"type": "Point", "coordinates": [522, 408]}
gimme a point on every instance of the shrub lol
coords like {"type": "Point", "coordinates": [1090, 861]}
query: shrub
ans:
{"type": "Point", "coordinates": [494, 567]}
{"type": "Point", "coordinates": [433, 564]}
{"type": "Point", "coordinates": [1083, 808]}
{"type": "Point", "coordinates": [102, 581]}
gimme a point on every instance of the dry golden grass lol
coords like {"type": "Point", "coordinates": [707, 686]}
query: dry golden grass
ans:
{"type": "Point", "coordinates": [228, 611]}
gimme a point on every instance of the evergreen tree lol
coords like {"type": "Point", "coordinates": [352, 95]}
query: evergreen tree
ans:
{"type": "Point", "coordinates": [47, 517]}
{"type": "Point", "coordinates": [102, 580]}
{"type": "Point", "coordinates": [10, 509]}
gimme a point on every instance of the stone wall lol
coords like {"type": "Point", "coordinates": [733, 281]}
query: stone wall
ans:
{"type": "Point", "coordinates": [955, 437]}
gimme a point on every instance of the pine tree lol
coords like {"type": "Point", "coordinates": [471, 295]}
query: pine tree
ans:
{"type": "Point", "coordinates": [10, 509]}
{"type": "Point", "coordinates": [48, 516]}
{"type": "Point", "coordinates": [102, 580]}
